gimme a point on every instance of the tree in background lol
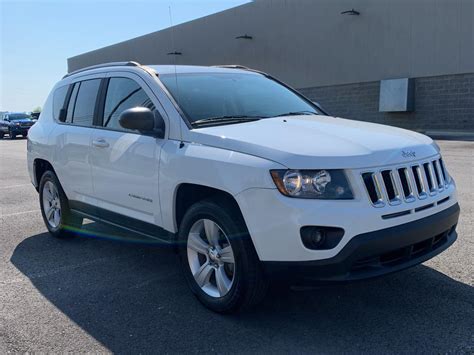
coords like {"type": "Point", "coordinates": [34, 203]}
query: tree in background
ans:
{"type": "Point", "coordinates": [36, 112]}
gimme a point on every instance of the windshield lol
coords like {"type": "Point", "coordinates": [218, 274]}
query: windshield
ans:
{"type": "Point", "coordinates": [18, 116]}
{"type": "Point", "coordinates": [224, 95]}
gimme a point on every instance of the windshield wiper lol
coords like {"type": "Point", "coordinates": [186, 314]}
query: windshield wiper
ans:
{"type": "Point", "coordinates": [224, 120]}
{"type": "Point", "coordinates": [297, 113]}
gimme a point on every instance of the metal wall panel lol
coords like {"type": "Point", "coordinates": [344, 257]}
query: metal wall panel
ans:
{"type": "Point", "coordinates": [308, 43]}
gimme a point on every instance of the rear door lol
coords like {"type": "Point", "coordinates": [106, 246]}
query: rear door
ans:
{"type": "Point", "coordinates": [125, 163]}
{"type": "Point", "coordinates": [73, 139]}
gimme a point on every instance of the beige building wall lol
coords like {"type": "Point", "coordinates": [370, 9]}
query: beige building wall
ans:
{"type": "Point", "coordinates": [309, 43]}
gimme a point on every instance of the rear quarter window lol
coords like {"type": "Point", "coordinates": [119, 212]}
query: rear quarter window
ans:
{"type": "Point", "coordinates": [72, 102]}
{"type": "Point", "coordinates": [58, 100]}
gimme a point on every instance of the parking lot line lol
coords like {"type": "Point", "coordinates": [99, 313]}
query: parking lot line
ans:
{"type": "Point", "coordinates": [17, 213]}
{"type": "Point", "coordinates": [12, 186]}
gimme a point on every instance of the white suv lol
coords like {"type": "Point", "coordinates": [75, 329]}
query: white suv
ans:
{"type": "Point", "coordinates": [249, 179]}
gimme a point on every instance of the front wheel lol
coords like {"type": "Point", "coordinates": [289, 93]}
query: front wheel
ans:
{"type": "Point", "coordinates": [57, 216]}
{"type": "Point", "coordinates": [218, 258]}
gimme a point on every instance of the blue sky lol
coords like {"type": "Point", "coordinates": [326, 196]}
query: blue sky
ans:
{"type": "Point", "coordinates": [36, 37]}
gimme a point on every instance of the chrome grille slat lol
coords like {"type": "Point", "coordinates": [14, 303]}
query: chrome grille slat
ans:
{"type": "Point", "coordinates": [382, 186]}
{"type": "Point", "coordinates": [381, 193]}
{"type": "Point", "coordinates": [394, 186]}
{"type": "Point", "coordinates": [426, 186]}
{"type": "Point", "coordinates": [411, 185]}
{"type": "Point", "coordinates": [445, 173]}
{"type": "Point", "coordinates": [397, 185]}
{"type": "Point", "coordinates": [390, 188]}
{"type": "Point", "coordinates": [423, 192]}
{"type": "Point", "coordinates": [441, 183]}
{"type": "Point", "coordinates": [430, 179]}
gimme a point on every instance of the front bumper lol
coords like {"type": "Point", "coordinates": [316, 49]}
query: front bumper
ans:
{"type": "Point", "coordinates": [379, 252]}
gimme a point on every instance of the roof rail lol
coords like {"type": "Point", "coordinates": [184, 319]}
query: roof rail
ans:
{"type": "Point", "coordinates": [232, 66]}
{"type": "Point", "coordinates": [104, 65]}
{"type": "Point", "coordinates": [238, 66]}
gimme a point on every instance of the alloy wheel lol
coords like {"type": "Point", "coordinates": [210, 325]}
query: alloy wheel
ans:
{"type": "Point", "coordinates": [211, 258]}
{"type": "Point", "coordinates": [51, 204]}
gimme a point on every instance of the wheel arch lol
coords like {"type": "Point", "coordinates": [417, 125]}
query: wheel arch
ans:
{"type": "Point", "coordinates": [187, 194]}
{"type": "Point", "coordinates": [40, 166]}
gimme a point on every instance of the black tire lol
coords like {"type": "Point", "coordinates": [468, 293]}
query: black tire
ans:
{"type": "Point", "coordinates": [249, 284]}
{"type": "Point", "coordinates": [12, 135]}
{"type": "Point", "coordinates": [2, 134]}
{"type": "Point", "coordinates": [69, 223]}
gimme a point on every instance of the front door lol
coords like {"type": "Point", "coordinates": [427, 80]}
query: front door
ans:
{"type": "Point", "coordinates": [125, 163]}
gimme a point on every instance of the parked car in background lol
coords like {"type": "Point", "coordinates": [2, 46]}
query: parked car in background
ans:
{"type": "Point", "coordinates": [15, 124]}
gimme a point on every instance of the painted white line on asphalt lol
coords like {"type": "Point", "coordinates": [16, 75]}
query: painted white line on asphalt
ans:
{"type": "Point", "coordinates": [12, 186]}
{"type": "Point", "coordinates": [17, 213]}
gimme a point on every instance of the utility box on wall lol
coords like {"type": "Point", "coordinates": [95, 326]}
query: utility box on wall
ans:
{"type": "Point", "coordinates": [397, 95]}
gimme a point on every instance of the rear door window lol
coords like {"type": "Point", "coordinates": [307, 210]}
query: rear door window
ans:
{"type": "Point", "coordinates": [83, 114]}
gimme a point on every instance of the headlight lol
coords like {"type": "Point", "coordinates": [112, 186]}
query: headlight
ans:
{"type": "Point", "coordinates": [318, 184]}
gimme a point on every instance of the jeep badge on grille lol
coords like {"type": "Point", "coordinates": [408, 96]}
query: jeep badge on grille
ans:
{"type": "Point", "coordinates": [408, 154]}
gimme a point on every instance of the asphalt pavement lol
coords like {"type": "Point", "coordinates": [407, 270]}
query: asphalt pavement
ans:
{"type": "Point", "coordinates": [103, 293]}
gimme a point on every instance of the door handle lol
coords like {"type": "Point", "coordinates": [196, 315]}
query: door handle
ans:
{"type": "Point", "coordinates": [100, 143]}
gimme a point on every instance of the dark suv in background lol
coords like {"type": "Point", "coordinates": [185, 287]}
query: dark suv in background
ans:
{"type": "Point", "coordinates": [15, 124]}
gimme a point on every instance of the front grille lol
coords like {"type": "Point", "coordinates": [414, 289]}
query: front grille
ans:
{"type": "Point", "coordinates": [406, 184]}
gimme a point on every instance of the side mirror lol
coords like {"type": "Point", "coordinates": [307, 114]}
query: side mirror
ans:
{"type": "Point", "coordinates": [143, 120]}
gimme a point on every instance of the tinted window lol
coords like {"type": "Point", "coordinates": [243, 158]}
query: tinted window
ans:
{"type": "Point", "coordinates": [19, 116]}
{"type": "Point", "coordinates": [72, 102]}
{"type": "Point", "coordinates": [206, 95]}
{"type": "Point", "coordinates": [58, 100]}
{"type": "Point", "coordinates": [85, 103]}
{"type": "Point", "coordinates": [122, 94]}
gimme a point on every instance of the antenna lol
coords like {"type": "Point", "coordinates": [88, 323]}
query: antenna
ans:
{"type": "Point", "coordinates": [175, 53]}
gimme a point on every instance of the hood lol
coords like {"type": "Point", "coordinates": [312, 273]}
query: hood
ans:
{"type": "Point", "coordinates": [308, 142]}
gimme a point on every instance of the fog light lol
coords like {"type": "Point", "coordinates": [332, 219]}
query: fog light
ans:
{"type": "Point", "coordinates": [321, 238]}
{"type": "Point", "coordinates": [316, 237]}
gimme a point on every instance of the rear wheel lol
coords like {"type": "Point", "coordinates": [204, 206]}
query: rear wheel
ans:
{"type": "Point", "coordinates": [218, 258]}
{"type": "Point", "coordinates": [57, 216]}
{"type": "Point", "coordinates": [2, 134]}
